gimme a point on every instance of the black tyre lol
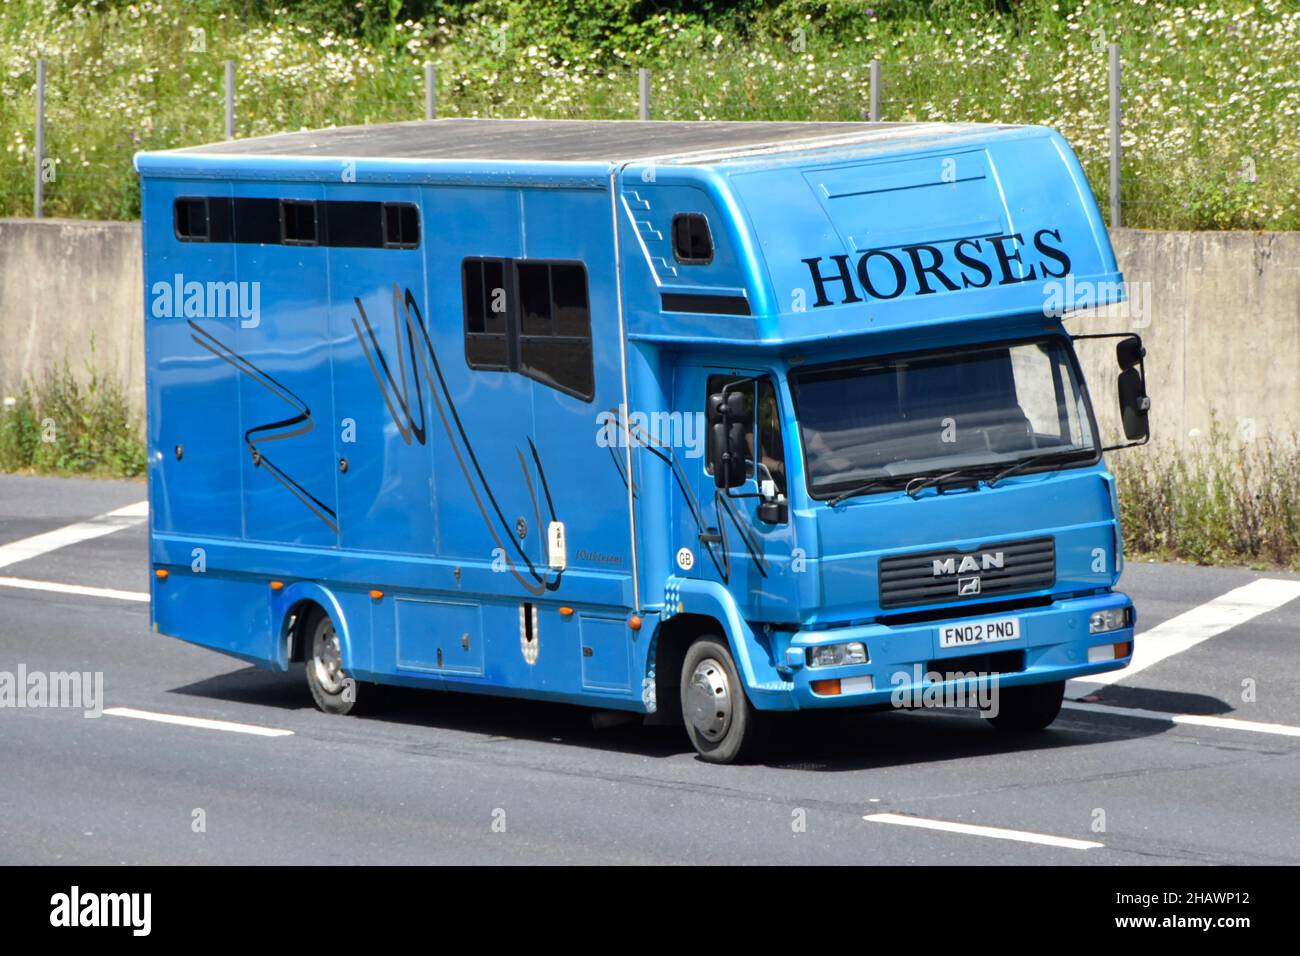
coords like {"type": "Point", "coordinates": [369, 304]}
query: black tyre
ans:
{"type": "Point", "coordinates": [1029, 708]}
{"type": "Point", "coordinates": [331, 688]}
{"type": "Point", "coordinates": [723, 725]}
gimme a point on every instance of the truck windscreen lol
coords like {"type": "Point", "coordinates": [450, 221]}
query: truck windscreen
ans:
{"type": "Point", "coordinates": [974, 410]}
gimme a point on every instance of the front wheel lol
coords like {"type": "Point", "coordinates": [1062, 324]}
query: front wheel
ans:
{"type": "Point", "coordinates": [333, 690]}
{"type": "Point", "coordinates": [723, 725]}
{"type": "Point", "coordinates": [1028, 708]}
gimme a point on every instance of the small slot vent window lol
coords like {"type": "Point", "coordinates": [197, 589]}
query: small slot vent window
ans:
{"type": "Point", "coordinates": [401, 226]}
{"type": "Point", "coordinates": [692, 241]}
{"type": "Point", "coordinates": [191, 219]}
{"type": "Point", "coordinates": [298, 223]}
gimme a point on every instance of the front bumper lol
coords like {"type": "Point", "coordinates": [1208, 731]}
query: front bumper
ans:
{"type": "Point", "coordinates": [1053, 645]}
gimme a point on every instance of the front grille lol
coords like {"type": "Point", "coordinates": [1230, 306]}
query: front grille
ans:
{"type": "Point", "coordinates": [934, 577]}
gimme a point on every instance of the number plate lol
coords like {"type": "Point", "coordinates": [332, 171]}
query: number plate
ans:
{"type": "Point", "coordinates": [979, 632]}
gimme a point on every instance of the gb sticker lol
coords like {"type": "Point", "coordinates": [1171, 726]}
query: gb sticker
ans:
{"type": "Point", "coordinates": [686, 559]}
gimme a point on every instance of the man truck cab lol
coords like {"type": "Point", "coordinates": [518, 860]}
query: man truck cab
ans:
{"type": "Point", "coordinates": [703, 421]}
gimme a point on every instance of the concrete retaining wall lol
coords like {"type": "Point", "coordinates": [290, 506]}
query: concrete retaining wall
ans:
{"type": "Point", "coordinates": [71, 289]}
{"type": "Point", "coordinates": [1220, 313]}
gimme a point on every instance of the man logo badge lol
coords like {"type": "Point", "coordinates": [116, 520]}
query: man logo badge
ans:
{"type": "Point", "coordinates": [968, 587]}
{"type": "Point", "coordinates": [987, 561]}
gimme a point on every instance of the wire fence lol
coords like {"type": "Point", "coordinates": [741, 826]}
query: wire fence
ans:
{"type": "Point", "coordinates": [1153, 153]}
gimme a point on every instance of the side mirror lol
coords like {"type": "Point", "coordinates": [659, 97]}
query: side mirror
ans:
{"type": "Point", "coordinates": [1130, 352]}
{"type": "Point", "coordinates": [727, 438]}
{"type": "Point", "coordinates": [1134, 405]}
{"type": "Point", "coordinates": [1133, 401]}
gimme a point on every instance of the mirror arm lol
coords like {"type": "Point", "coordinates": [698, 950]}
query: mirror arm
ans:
{"type": "Point", "coordinates": [1104, 335]}
{"type": "Point", "coordinates": [1128, 444]}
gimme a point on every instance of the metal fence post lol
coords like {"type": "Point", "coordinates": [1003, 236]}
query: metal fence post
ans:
{"type": "Point", "coordinates": [430, 91]}
{"type": "Point", "coordinates": [38, 199]}
{"type": "Point", "coordinates": [873, 109]}
{"type": "Point", "coordinates": [230, 99]}
{"type": "Point", "coordinates": [1115, 220]}
{"type": "Point", "coordinates": [644, 76]}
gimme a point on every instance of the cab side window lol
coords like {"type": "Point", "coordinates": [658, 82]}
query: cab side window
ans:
{"type": "Point", "coordinates": [768, 423]}
{"type": "Point", "coordinates": [762, 433]}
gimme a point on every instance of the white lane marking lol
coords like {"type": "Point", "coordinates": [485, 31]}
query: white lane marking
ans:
{"type": "Point", "coordinates": [201, 722]}
{"type": "Point", "coordinates": [971, 829]}
{"type": "Point", "coordinates": [55, 586]}
{"type": "Point", "coordinates": [40, 544]}
{"type": "Point", "coordinates": [1194, 720]}
{"type": "Point", "coordinates": [1190, 628]}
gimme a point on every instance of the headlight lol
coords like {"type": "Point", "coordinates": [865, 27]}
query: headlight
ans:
{"type": "Point", "coordinates": [1111, 619]}
{"type": "Point", "coordinates": [833, 655]}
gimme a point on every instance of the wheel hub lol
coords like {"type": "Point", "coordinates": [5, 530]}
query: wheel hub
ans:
{"type": "Point", "coordinates": [327, 658]}
{"type": "Point", "coordinates": [708, 700]}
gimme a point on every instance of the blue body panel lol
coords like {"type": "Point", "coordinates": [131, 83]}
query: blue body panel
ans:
{"type": "Point", "coordinates": [332, 437]}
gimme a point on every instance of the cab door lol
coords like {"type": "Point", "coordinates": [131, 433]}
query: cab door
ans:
{"type": "Point", "coordinates": [740, 537]}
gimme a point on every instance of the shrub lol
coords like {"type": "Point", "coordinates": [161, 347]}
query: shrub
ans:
{"type": "Point", "coordinates": [70, 426]}
{"type": "Point", "coordinates": [1217, 501]}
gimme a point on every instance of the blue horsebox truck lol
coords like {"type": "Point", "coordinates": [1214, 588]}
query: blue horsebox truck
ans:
{"type": "Point", "coordinates": [702, 421]}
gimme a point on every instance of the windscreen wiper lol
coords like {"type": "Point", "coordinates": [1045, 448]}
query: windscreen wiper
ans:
{"type": "Point", "coordinates": [974, 472]}
{"type": "Point", "coordinates": [1025, 463]}
{"type": "Point", "coordinates": [921, 482]}
{"type": "Point", "coordinates": [862, 489]}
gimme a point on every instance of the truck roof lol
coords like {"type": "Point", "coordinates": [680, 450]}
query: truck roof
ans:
{"type": "Point", "coordinates": [834, 229]}
{"type": "Point", "coordinates": [580, 141]}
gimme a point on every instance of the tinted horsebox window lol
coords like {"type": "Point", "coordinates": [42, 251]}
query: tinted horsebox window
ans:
{"type": "Point", "coordinates": [483, 285]}
{"type": "Point", "coordinates": [555, 327]}
{"type": "Point", "coordinates": [692, 241]}
{"type": "Point", "coordinates": [530, 317]}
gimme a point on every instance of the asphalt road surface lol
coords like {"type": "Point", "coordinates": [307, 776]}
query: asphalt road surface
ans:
{"type": "Point", "coordinates": [1195, 758]}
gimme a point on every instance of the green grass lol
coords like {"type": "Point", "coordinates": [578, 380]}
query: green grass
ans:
{"type": "Point", "coordinates": [71, 425]}
{"type": "Point", "coordinates": [1212, 93]}
{"type": "Point", "coordinates": [1218, 502]}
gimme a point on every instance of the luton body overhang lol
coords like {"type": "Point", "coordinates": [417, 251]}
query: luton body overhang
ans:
{"type": "Point", "coordinates": [898, 230]}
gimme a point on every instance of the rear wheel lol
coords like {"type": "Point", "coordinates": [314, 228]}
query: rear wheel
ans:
{"type": "Point", "coordinates": [331, 688]}
{"type": "Point", "coordinates": [1029, 708]}
{"type": "Point", "coordinates": [723, 725]}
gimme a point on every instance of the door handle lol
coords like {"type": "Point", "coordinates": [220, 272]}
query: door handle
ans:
{"type": "Point", "coordinates": [710, 537]}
